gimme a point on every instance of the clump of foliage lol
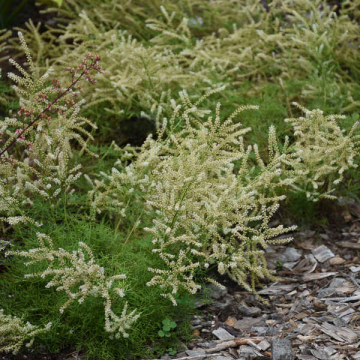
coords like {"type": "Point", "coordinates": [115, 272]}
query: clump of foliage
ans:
{"type": "Point", "coordinates": [45, 125]}
{"type": "Point", "coordinates": [199, 194]}
{"type": "Point", "coordinates": [167, 326]}
{"type": "Point", "coordinates": [326, 152]}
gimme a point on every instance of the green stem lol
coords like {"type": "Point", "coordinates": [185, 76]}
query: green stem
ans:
{"type": "Point", "coordinates": [134, 227]}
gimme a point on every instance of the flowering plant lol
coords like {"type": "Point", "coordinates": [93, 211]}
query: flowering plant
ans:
{"type": "Point", "coordinates": [43, 130]}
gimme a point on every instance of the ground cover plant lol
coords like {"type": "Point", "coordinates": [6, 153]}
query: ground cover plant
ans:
{"type": "Point", "coordinates": [143, 159]}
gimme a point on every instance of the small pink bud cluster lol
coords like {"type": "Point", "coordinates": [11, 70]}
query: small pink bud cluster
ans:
{"type": "Point", "coordinates": [25, 113]}
{"type": "Point", "coordinates": [20, 133]}
{"type": "Point", "coordinates": [56, 84]}
{"type": "Point", "coordinates": [70, 101]}
{"type": "Point", "coordinates": [21, 136]}
{"type": "Point", "coordinates": [90, 62]}
{"type": "Point", "coordinates": [40, 97]}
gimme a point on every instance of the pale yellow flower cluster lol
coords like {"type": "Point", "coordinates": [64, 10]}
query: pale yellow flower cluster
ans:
{"type": "Point", "coordinates": [210, 196]}
{"type": "Point", "coordinates": [45, 166]}
{"type": "Point", "coordinates": [325, 152]}
{"type": "Point", "coordinates": [304, 40]}
{"type": "Point", "coordinates": [79, 276]}
{"type": "Point", "coordinates": [10, 207]}
{"type": "Point", "coordinates": [205, 210]}
{"type": "Point", "coordinates": [4, 35]}
{"type": "Point", "coordinates": [14, 332]}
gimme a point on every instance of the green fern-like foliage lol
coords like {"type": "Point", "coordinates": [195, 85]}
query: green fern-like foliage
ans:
{"type": "Point", "coordinates": [135, 74]}
{"type": "Point", "coordinates": [79, 276]}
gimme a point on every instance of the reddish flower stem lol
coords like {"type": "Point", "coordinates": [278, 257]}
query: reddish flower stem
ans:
{"type": "Point", "coordinates": [39, 116]}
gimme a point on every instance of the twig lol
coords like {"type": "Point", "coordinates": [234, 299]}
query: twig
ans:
{"type": "Point", "coordinates": [286, 97]}
{"type": "Point", "coordinates": [223, 345]}
{"type": "Point", "coordinates": [355, 282]}
{"type": "Point", "coordinates": [194, 357]}
{"type": "Point", "coordinates": [343, 299]}
{"type": "Point", "coordinates": [134, 227]}
{"type": "Point", "coordinates": [232, 343]}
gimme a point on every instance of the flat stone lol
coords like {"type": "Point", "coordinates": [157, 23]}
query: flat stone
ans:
{"type": "Point", "coordinates": [336, 356]}
{"type": "Point", "coordinates": [264, 345]}
{"type": "Point", "coordinates": [196, 352]}
{"type": "Point", "coordinates": [329, 350]}
{"type": "Point", "coordinates": [331, 288]}
{"type": "Point", "coordinates": [264, 331]}
{"type": "Point", "coordinates": [289, 255]}
{"type": "Point", "coordinates": [281, 350]}
{"type": "Point", "coordinates": [247, 323]}
{"type": "Point", "coordinates": [249, 310]}
{"type": "Point", "coordinates": [222, 334]}
{"type": "Point", "coordinates": [223, 358]}
{"type": "Point", "coordinates": [322, 253]}
{"type": "Point", "coordinates": [215, 292]}
{"type": "Point", "coordinates": [319, 354]}
{"type": "Point", "coordinates": [337, 282]}
{"type": "Point", "coordinates": [247, 352]}
{"type": "Point", "coordinates": [355, 269]}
